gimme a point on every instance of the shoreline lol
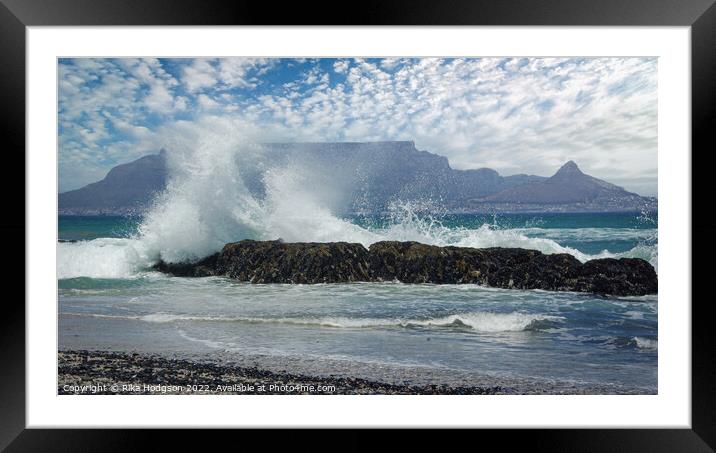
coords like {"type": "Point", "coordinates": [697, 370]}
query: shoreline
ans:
{"type": "Point", "coordinates": [83, 372]}
{"type": "Point", "coordinates": [94, 372]}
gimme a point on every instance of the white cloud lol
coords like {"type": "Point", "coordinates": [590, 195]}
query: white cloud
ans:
{"type": "Point", "coordinates": [235, 72]}
{"type": "Point", "coordinates": [202, 73]}
{"type": "Point", "coordinates": [516, 115]}
{"type": "Point", "coordinates": [341, 66]}
{"type": "Point", "coordinates": [224, 73]}
{"type": "Point", "coordinates": [180, 103]}
{"type": "Point", "coordinates": [159, 99]}
{"type": "Point", "coordinates": [206, 103]}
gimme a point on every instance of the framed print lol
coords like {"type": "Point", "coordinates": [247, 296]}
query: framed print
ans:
{"type": "Point", "coordinates": [420, 221]}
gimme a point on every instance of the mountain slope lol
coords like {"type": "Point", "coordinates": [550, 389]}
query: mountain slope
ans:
{"type": "Point", "coordinates": [126, 187]}
{"type": "Point", "coordinates": [369, 175]}
{"type": "Point", "coordinates": [367, 178]}
{"type": "Point", "coordinates": [568, 185]}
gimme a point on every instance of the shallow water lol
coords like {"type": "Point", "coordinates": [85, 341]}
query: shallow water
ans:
{"type": "Point", "coordinates": [380, 330]}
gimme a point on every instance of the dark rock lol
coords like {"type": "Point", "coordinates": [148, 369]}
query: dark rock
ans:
{"type": "Point", "coordinates": [203, 268]}
{"type": "Point", "coordinates": [298, 262]}
{"type": "Point", "coordinates": [625, 276]}
{"type": "Point", "coordinates": [413, 262]}
{"type": "Point", "coordinates": [556, 272]}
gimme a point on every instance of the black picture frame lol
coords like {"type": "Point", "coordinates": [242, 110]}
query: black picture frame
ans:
{"type": "Point", "coordinates": [700, 15]}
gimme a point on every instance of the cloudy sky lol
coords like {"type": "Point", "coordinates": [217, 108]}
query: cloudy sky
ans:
{"type": "Point", "coordinates": [516, 115]}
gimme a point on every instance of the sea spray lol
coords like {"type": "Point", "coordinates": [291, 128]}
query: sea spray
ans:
{"type": "Point", "coordinates": [294, 211]}
{"type": "Point", "coordinates": [204, 206]}
{"type": "Point", "coordinates": [207, 203]}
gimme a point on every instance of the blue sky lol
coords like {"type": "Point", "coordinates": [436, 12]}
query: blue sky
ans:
{"type": "Point", "coordinates": [516, 115]}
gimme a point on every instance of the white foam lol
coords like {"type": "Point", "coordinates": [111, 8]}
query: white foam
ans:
{"type": "Point", "coordinates": [592, 234]}
{"type": "Point", "coordinates": [99, 315]}
{"type": "Point", "coordinates": [634, 314]}
{"type": "Point", "coordinates": [478, 321]}
{"type": "Point", "coordinates": [646, 343]}
{"type": "Point", "coordinates": [490, 322]}
{"type": "Point", "coordinates": [101, 258]}
{"type": "Point", "coordinates": [648, 253]}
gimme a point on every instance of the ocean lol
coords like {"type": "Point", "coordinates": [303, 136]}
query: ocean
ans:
{"type": "Point", "coordinates": [533, 341]}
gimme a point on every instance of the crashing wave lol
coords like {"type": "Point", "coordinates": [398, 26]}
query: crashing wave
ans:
{"type": "Point", "coordinates": [207, 205]}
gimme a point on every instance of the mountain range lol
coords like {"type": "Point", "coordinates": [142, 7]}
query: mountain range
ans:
{"type": "Point", "coordinates": [373, 175]}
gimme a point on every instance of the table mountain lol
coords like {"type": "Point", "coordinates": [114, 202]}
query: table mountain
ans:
{"type": "Point", "coordinates": [370, 176]}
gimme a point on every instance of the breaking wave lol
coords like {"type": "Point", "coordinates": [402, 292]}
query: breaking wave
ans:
{"type": "Point", "coordinates": [645, 343]}
{"type": "Point", "coordinates": [207, 204]}
{"type": "Point", "coordinates": [475, 321]}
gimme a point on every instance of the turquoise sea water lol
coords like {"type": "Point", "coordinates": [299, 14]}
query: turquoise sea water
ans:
{"type": "Point", "coordinates": [109, 299]}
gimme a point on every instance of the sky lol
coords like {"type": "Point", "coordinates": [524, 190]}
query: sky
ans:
{"type": "Point", "coordinates": [515, 115]}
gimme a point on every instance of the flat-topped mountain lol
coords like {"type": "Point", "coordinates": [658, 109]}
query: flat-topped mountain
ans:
{"type": "Point", "coordinates": [372, 176]}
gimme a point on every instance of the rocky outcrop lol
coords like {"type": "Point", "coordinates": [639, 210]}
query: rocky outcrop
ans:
{"type": "Point", "coordinates": [412, 262]}
{"type": "Point", "coordinates": [203, 268]}
{"type": "Point", "coordinates": [278, 262]}
{"type": "Point", "coordinates": [623, 277]}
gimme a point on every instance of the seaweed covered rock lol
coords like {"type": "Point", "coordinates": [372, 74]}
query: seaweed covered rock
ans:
{"type": "Point", "coordinates": [413, 262]}
{"type": "Point", "coordinates": [622, 277]}
{"type": "Point", "coordinates": [298, 262]}
{"type": "Point", "coordinates": [203, 268]}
